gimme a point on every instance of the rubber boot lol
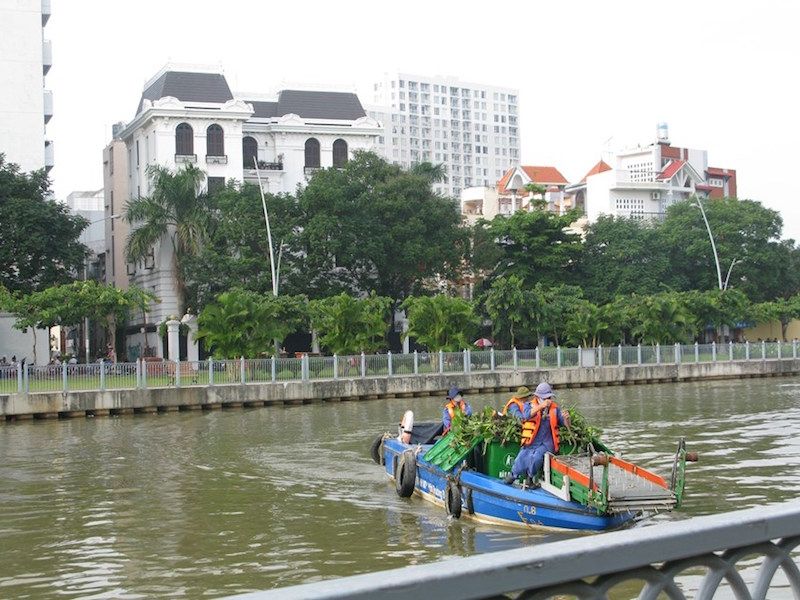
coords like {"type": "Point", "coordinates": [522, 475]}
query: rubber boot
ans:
{"type": "Point", "coordinates": [509, 479]}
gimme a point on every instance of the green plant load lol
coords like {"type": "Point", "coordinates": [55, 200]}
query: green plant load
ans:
{"type": "Point", "coordinates": [491, 426]}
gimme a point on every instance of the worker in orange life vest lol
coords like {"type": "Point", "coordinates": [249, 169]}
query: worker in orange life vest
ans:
{"type": "Point", "coordinates": [516, 405]}
{"type": "Point", "coordinates": [454, 402]}
{"type": "Point", "coordinates": [541, 419]}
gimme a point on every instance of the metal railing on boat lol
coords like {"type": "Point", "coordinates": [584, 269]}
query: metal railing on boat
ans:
{"type": "Point", "coordinates": [694, 558]}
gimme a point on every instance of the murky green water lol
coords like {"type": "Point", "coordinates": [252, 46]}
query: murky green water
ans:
{"type": "Point", "coordinates": [217, 503]}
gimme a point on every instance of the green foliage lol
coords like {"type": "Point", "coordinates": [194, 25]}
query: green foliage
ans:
{"type": "Point", "coordinates": [244, 323]}
{"type": "Point", "coordinates": [175, 210]}
{"type": "Point", "coordinates": [508, 306]}
{"type": "Point", "coordinates": [441, 322]}
{"type": "Point", "coordinates": [662, 318]}
{"type": "Point", "coordinates": [782, 310]}
{"type": "Point", "coordinates": [348, 325]}
{"type": "Point", "coordinates": [580, 433]}
{"type": "Point", "coordinates": [39, 244]}
{"type": "Point", "coordinates": [487, 425]}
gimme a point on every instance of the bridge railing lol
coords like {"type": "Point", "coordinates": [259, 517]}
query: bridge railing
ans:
{"type": "Point", "coordinates": [152, 374]}
{"type": "Point", "coordinates": [747, 554]}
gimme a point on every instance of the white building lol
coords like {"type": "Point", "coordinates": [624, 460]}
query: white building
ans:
{"type": "Point", "coordinates": [25, 106]}
{"type": "Point", "coordinates": [472, 129]}
{"type": "Point", "coordinates": [642, 182]}
{"type": "Point", "coordinates": [188, 115]}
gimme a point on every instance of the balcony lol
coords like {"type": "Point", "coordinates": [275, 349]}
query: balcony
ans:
{"type": "Point", "coordinates": [48, 106]}
{"type": "Point", "coordinates": [264, 166]}
{"type": "Point", "coordinates": [49, 155]}
{"type": "Point", "coordinates": [309, 171]}
{"type": "Point", "coordinates": [185, 158]}
{"type": "Point", "coordinates": [47, 56]}
{"type": "Point", "coordinates": [45, 12]}
{"type": "Point", "coordinates": [217, 160]}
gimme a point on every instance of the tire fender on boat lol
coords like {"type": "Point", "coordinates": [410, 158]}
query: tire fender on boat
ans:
{"type": "Point", "coordinates": [468, 502]}
{"type": "Point", "coordinates": [376, 450]}
{"type": "Point", "coordinates": [405, 475]}
{"type": "Point", "coordinates": [452, 499]}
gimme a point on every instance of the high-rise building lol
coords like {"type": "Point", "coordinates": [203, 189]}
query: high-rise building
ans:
{"type": "Point", "coordinates": [472, 129]}
{"type": "Point", "coordinates": [25, 106]}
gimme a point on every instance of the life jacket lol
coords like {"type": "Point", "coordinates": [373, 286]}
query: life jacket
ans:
{"type": "Point", "coordinates": [451, 409]}
{"type": "Point", "coordinates": [531, 427]}
{"type": "Point", "coordinates": [520, 404]}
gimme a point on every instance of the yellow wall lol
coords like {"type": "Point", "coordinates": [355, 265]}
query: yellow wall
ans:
{"type": "Point", "coordinates": [773, 331]}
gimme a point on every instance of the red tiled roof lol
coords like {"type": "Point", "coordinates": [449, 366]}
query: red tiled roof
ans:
{"type": "Point", "coordinates": [703, 186]}
{"type": "Point", "coordinates": [542, 175]}
{"type": "Point", "coordinates": [672, 167]}
{"type": "Point", "coordinates": [598, 168]}
{"type": "Point", "coordinates": [718, 172]}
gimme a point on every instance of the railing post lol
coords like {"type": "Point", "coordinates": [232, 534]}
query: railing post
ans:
{"type": "Point", "coordinates": [210, 370]}
{"type": "Point", "coordinates": [794, 348]}
{"type": "Point", "coordinates": [730, 350]}
{"type": "Point", "coordinates": [619, 355]}
{"type": "Point", "coordinates": [274, 368]}
{"type": "Point", "coordinates": [678, 356]}
{"type": "Point", "coordinates": [696, 353]}
{"type": "Point", "coordinates": [102, 375]}
{"type": "Point", "coordinates": [558, 356]}
{"type": "Point", "coordinates": [363, 365]}
{"type": "Point", "coordinates": [241, 369]}
{"type": "Point", "coordinates": [639, 353]}
{"type": "Point", "coordinates": [441, 361]}
{"type": "Point", "coordinates": [389, 362]}
{"type": "Point", "coordinates": [466, 360]}
{"type": "Point", "coordinates": [416, 363]}
{"type": "Point", "coordinates": [714, 351]}
{"type": "Point", "coordinates": [65, 387]}
{"type": "Point", "coordinates": [658, 353]}
{"type": "Point", "coordinates": [27, 373]}
{"type": "Point", "coordinates": [580, 357]}
{"type": "Point", "coordinates": [538, 358]}
{"type": "Point", "coordinates": [600, 355]}
{"type": "Point", "coordinates": [335, 366]}
{"type": "Point", "coordinates": [304, 367]}
{"type": "Point", "coordinates": [763, 350]}
{"type": "Point", "coordinates": [144, 374]}
{"type": "Point", "coordinates": [19, 378]}
{"type": "Point", "coordinates": [491, 359]}
{"type": "Point", "coordinates": [515, 358]}
{"type": "Point", "coordinates": [747, 350]}
{"type": "Point", "coordinates": [177, 373]}
{"type": "Point", "coordinates": [780, 350]}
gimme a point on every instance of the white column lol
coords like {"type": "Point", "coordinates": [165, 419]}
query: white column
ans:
{"type": "Point", "coordinates": [173, 341]}
{"type": "Point", "coordinates": [192, 348]}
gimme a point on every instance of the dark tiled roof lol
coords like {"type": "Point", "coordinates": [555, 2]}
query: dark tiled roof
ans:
{"type": "Point", "coordinates": [188, 87]}
{"type": "Point", "coordinates": [311, 105]}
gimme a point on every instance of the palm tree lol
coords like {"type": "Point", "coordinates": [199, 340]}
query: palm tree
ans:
{"type": "Point", "coordinates": [175, 209]}
{"type": "Point", "coordinates": [435, 173]}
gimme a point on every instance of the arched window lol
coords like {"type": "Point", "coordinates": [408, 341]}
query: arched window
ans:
{"type": "Point", "coordinates": [215, 141]}
{"type": "Point", "coordinates": [339, 153]}
{"type": "Point", "coordinates": [312, 153]}
{"type": "Point", "coordinates": [184, 140]}
{"type": "Point", "coordinates": [249, 152]}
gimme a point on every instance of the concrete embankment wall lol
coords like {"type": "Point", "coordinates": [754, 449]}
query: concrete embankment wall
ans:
{"type": "Point", "coordinates": [100, 403]}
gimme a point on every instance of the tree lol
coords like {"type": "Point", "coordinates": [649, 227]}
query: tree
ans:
{"type": "Point", "coordinates": [715, 308]}
{"type": "Point", "coordinates": [245, 323]}
{"type": "Point", "coordinates": [661, 318]}
{"type": "Point", "coordinates": [782, 310]}
{"type": "Point", "coordinates": [587, 324]}
{"type": "Point", "coordinates": [508, 307]}
{"type": "Point", "coordinates": [39, 244]}
{"type": "Point", "coordinates": [440, 322]}
{"type": "Point", "coordinates": [175, 210]}
{"type": "Point", "coordinates": [536, 247]}
{"type": "Point", "coordinates": [373, 226]}
{"type": "Point", "coordinates": [348, 325]}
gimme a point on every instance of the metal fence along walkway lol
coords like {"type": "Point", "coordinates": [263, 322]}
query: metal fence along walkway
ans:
{"type": "Point", "coordinates": [746, 554]}
{"type": "Point", "coordinates": [142, 374]}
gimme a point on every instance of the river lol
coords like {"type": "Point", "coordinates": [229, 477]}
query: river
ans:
{"type": "Point", "coordinates": [215, 503]}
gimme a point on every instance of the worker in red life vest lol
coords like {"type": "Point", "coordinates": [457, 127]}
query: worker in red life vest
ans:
{"type": "Point", "coordinates": [541, 418]}
{"type": "Point", "coordinates": [454, 402]}
{"type": "Point", "coordinates": [516, 405]}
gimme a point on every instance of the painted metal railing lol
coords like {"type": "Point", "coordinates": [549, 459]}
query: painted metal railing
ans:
{"type": "Point", "coordinates": [150, 374]}
{"type": "Point", "coordinates": [745, 554]}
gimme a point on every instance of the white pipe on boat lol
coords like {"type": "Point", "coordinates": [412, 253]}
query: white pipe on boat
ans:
{"type": "Point", "coordinates": [406, 426]}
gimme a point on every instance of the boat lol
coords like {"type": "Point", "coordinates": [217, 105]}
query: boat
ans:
{"type": "Point", "coordinates": [585, 491]}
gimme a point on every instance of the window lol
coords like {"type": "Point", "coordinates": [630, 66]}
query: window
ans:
{"type": "Point", "coordinates": [215, 184]}
{"type": "Point", "coordinates": [339, 153]}
{"type": "Point", "coordinates": [184, 140]}
{"type": "Point", "coordinates": [312, 153]}
{"type": "Point", "coordinates": [215, 141]}
{"type": "Point", "coordinates": [249, 152]}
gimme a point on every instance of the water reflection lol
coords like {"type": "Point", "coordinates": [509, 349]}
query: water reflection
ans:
{"type": "Point", "coordinates": [216, 503]}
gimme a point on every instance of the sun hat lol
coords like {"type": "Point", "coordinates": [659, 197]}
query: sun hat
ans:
{"type": "Point", "coordinates": [454, 391]}
{"type": "Point", "coordinates": [522, 392]}
{"type": "Point", "coordinates": [543, 391]}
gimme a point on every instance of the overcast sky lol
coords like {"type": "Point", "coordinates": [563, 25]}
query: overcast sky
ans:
{"type": "Point", "coordinates": [723, 75]}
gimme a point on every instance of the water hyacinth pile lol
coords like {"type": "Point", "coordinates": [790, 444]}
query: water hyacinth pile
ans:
{"type": "Point", "coordinates": [491, 426]}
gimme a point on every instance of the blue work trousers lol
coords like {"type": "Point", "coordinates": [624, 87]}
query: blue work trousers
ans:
{"type": "Point", "coordinates": [530, 460]}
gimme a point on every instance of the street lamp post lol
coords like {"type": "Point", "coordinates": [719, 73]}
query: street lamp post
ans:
{"type": "Point", "coordinates": [713, 246]}
{"type": "Point", "coordinates": [86, 277]}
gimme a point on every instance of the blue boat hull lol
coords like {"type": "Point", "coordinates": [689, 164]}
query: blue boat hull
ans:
{"type": "Point", "coordinates": [487, 499]}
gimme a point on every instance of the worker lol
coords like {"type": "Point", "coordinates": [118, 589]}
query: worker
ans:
{"type": "Point", "coordinates": [516, 405]}
{"type": "Point", "coordinates": [455, 402]}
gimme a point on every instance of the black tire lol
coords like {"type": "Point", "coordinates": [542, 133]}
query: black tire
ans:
{"type": "Point", "coordinates": [470, 507]}
{"type": "Point", "coordinates": [376, 450]}
{"type": "Point", "coordinates": [452, 499]}
{"type": "Point", "coordinates": [405, 475]}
